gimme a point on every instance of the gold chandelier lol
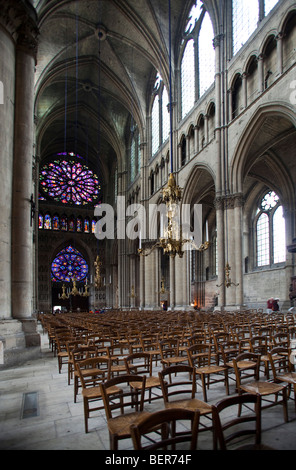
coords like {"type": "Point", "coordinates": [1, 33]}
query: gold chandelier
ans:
{"type": "Point", "coordinates": [74, 291]}
{"type": "Point", "coordinates": [98, 276]}
{"type": "Point", "coordinates": [227, 280]}
{"type": "Point", "coordinates": [172, 242]}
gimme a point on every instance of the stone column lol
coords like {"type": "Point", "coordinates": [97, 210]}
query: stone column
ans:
{"type": "Point", "coordinates": [178, 281]}
{"type": "Point", "coordinates": [172, 284]}
{"type": "Point", "coordinates": [244, 88]}
{"type": "Point", "coordinates": [22, 222]}
{"type": "Point", "coordinates": [230, 248]}
{"type": "Point", "coordinates": [149, 281]}
{"type": "Point", "coordinates": [196, 139]}
{"type": "Point", "coordinates": [279, 39]}
{"type": "Point", "coordinates": [19, 340]}
{"type": "Point", "coordinates": [7, 74]}
{"type": "Point", "coordinates": [220, 249]}
{"type": "Point", "coordinates": [142, 282]}
{"type": "Point", "coordinates": [261, 73]}
{"type": "Point", "coordinates": [238, 227]}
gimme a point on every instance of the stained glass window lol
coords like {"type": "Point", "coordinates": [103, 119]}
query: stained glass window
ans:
{"type": "Point", "coordinates": [47, 222]}
{"type": "Point", "coordinates": [263, 240]}
{"type": "Point", "coordinates": [155, 125]}
{"type": "Point", "coordinates": [245, 17]}
{"type": "Point", "coordinates": [270, 231]}
{"type": "Point", "coordinates": [86, 225]}
{"type": "Point", "coordinates": [56, 222]}
{"type": "Point", "coordinates": [69, 182]}
{"type": "Point", "coordinates": [198, 61]}
{"type": "Point", "coordinates": [206, 55]}
{"type": "Point", "coordinates": [79, 224]}
{"type": "Point", "coordinates": [188, 78]}
{"type": "Point", "coordinates": [165, 115]}
{"type": "Point", "coordinates": [279, 236]}
{"type": "Point", "coordinates": [40, 221]}
{"type": "Point", "coordinates": [64, 223]}
{"type": "Point", "coordinates": [160, 117]}
{"type": "Point", "coordinates": [69, 263]}
{"type": "Point", "coordinates": [133, 159]}
{"type": "Point", "coordinates": [71, 226]}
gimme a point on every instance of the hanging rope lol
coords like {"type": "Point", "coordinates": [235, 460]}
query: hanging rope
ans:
{"type": "Point", "coordinates": [171, 113]}
{"type": "Point", "coordinates": [66, 95]}
{"type": "Point", "coordinates": [76, 90]}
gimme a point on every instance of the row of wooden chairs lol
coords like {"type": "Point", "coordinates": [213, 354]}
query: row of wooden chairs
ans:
{"type": "Point", "coordinates": [81, 339]}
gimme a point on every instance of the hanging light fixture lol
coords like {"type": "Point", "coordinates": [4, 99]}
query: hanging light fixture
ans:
{"type": "Point", "coordinates": [98, 276]}
{"type": "Point", "coordinates": [74, 291]}
{"type": "Point", "coordinates": [227, 281]}
{"type": "Point", "coordinates": [172, 242]}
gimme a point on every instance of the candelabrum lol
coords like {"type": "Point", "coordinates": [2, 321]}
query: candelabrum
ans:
{"type": "Point", "coordinates": [74, 291]}
{"type": "Point", "coordinates": [227, 281]}
{"type": "Point", "coordinates": [98, 276]}
{"type": "Point", "coordinates": [172, 242]}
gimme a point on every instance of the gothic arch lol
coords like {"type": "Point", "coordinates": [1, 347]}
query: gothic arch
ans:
{"type": "Point", "coordinates": [248, 150]}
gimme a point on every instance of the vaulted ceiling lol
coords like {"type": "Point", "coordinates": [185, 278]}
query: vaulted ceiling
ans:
{"type": "Point", "coordinates": [97, 63]}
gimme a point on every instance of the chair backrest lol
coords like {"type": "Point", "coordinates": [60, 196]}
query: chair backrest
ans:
{"type": "Point", "coordinates": [247, 359]}
{"type": "Point", "coordinates": [258, 344]}
{"type": "Point", "coordinates": [279, 361]}
{"type": "Point", "coordinates": [197, 338]}
{"type": "Point", "coordinates": [230, 349]}
{"type": "Point", "coordinates": [281, 339]}
{"type": "Point", "coordinates": [139, 363]}
{"type": "Point", "coordinates": [169, 348]}
{"type": "Point", "coordinates": [177, 381]}
{"type": "Point", "coordinates": [199, 355]}
{"type": "Point", "coordinates": [221, 337]}
{"type": "Point", "coordinates": [167, 422]}
{"type": "Point", "coordinates": [226, 429]}
{"type": "Point", "coordinates": [93, 371]}
{"type": "Point", "coordinates": [81, 353]}
{"type": "Point", "coordinates": [128, 396]}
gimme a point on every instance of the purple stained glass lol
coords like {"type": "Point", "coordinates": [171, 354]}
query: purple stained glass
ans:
{"type": "Point", "coordinates": [69, 182]}
{"type": "Point", "coordinates": [69, 263]}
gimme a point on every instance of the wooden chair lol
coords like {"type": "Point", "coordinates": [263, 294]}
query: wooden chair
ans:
{"type": "Point", "coordinates": [92, 372]}
{"type": "Point", "coordinates": [70, 346]}
{"type": "Point", "coordinates": [150, 345]}
{"type": "Point", "coordinates": [160, 430]}
{"type": "Point", "coordinates": [80, 354]}
{"type": "Point", "coordinates": [199, 357]}
{"type": "Point", "coordinates": [169, 352]}
{"type": "Point", "coordinates": [178, 384]}
{"type": "Point", "coordinates": [62, 352]}
{"type": "Point", "coordinates": [125, 407]}
{"type": "Point", "coordinates": [227, 429]}
{"type": "Point", "coordinates": [141, 364]}
{"type": "Point", "coordinates": [114, 353]}
{"type": "Point", "coordinates": [282, 369]}
{"type": "Point", "coordinates": [219, 339]}
{"type": "Point", "coordinates": [257, 387]}
{"type": "Point", "coordinates": [258, 345]}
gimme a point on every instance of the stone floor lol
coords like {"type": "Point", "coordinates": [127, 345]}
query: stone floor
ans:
{"type": "Point", "coordinates": [58, 423]}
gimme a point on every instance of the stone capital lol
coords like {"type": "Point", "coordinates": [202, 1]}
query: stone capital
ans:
{"type": "Point", "coordinates": [19, 19]}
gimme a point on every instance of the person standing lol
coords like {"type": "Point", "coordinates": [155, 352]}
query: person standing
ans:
{"type": "Point", "coordinates": [269, 305]}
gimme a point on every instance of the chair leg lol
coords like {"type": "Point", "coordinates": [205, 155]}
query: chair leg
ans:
{"type": "Point", "coordinates": [86, 414]}
{"type": "Point", "coordinates": [204, 387]}
{"type": "Point", "coordinates": [285, 405]}
{"type": "Point", "coordinates": [75, 387]}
